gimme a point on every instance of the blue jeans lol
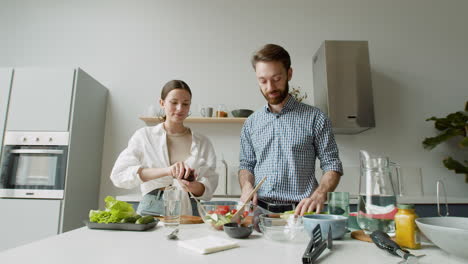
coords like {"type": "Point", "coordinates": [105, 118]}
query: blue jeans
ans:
{"type": "Point", "coordinates": [152, 203]}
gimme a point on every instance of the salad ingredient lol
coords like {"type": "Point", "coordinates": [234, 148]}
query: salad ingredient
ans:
{"type": "Point", "coordinates": [222, 209]}
{"type": "Point", "coordinates": [145, 220]}
{"type": "Point", "coordinates": [130, 219]}
{"type": "Point", "coordinates": [222, 215]}
{"type": "Point", "coordinates": [115, 211]}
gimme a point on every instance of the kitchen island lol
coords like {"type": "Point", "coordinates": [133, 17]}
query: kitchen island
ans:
{"type": "Point", "coordinates": [84, 246]}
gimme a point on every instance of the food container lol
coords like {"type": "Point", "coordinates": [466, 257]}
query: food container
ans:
{"type": "Point", "coordinates": [449, 233]}
{"type": "Point", "coordinates": [236, 230]}
{"type": "Point", "coordinates": [241, 112]}
{"type": "Point", "coordinates": [338, 224]}
{"type": "Point", "coordinates": [218, 213]}
{"type": "Point", "coordinates": [281, 227]}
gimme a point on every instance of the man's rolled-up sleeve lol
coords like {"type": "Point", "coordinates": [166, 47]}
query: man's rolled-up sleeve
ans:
{"type": "Point", "coordinates": [247, 154]}
{"type": "Point", "coordinates": [325, 146]}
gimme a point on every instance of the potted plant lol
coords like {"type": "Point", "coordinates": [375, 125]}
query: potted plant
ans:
{"type": "Point", "coordinates": [296, 93]}
{"type": "Point", "coordinates": [452, 126]}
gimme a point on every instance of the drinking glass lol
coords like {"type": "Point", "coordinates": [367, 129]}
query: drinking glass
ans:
{"type": "Point", "coordinates": [338, 203]}
{"type": "Point", "coordinates": [171, 198]}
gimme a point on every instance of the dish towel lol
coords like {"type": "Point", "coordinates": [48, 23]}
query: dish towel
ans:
{"type": "Point", "coordinates": [208, 244]}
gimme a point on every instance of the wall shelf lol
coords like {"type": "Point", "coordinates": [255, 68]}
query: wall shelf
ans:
{"type": "Point", "coordinates": [151, 121]}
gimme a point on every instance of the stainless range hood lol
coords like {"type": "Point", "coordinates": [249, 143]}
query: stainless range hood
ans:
{"type": "Point", "coordinates": [342, 85]}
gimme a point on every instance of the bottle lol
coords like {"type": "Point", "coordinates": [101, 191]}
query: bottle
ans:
{"type": "Point", "coordinates": [407, 233]}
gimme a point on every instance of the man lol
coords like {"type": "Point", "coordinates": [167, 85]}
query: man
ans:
{"type": "Point", "coordinates": [282, 140]}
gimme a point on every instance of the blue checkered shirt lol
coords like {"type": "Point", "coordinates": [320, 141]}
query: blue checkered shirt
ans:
{"type": "Point", "coordinates": [283, 146]}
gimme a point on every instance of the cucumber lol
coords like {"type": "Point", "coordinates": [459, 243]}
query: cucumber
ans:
{"type": "Point", "coordinates": [145, 220]}
{"type": "Point", "coordinates": [130, 219]}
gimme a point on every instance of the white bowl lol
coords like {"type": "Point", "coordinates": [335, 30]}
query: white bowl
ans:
{"type": "Point", "coordinates": [448, 233]}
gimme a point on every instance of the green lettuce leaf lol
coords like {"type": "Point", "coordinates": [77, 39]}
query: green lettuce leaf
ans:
{"type": "Point", "coordinates": [98, 216]}
{"type": "Point", "coordinates": [115, 211]}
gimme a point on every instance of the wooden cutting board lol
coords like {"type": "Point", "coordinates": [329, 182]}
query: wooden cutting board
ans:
{"type": "Point", "coordinates": [186, 219]}
{"type": "Point", "coordinates": [360, 235]}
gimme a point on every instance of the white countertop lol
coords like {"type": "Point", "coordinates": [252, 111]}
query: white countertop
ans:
{"type": "Point", "coordinates": [83, 246]}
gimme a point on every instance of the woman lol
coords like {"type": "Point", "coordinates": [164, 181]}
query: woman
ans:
{"type": "Point", "coordinates": [167, 154]}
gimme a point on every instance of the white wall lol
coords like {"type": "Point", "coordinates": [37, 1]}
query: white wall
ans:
{"type": "Point", "coordinates": [417, 49]}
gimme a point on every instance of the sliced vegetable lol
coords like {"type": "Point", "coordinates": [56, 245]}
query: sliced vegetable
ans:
{"type": "Point", "coordinates": [287, 213]}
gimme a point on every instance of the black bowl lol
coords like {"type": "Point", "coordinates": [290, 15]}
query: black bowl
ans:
{"type": "Point", "coordinates": [235, 230]}
{"type": "Point", "coordinates": [241, 112]}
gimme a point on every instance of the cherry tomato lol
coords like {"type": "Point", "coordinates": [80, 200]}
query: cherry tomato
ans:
{"type": "Point", "coordinates": [222, 209]}
{"type": "Point", "coordinates": [211, 211]}
{"type": "Point", "coordinates": [245, 213]}
{"type": "Point", "coordinates": [233, 211]}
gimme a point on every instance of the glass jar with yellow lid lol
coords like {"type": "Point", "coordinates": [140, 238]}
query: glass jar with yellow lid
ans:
{"type": "Point", "coordinates": [407, 233]}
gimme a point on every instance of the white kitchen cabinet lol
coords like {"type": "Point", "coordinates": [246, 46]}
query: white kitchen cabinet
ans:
{"type": "Point", "coordinates": [221, 169]}
{"type": "Point", "coordinates": [233, 187]}
{"type": "Point", "coordinates": [5, 82]}
{"type": "Point", "coordinates": [50, 100]}
{"type": "Point", "coordinates": [40, 99]}
{"type": "Point", "coordinates": [25, 220]}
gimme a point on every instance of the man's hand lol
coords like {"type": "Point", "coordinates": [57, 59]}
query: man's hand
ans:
{"type": "Point", "coordinates": [315, 202]}
{"type": "Point", "coordinates": [328, 183]}
{"type": "Point", "coordinates": [246, 190]}
{"type": "Point", "coordinates": [246, 181]}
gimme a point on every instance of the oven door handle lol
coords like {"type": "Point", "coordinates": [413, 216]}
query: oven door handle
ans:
{"type": "Point", "coordinates": [36, 151]}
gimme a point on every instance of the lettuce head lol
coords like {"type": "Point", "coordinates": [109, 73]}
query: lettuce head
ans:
{"type": "Point", "coordinates": [115, 211]}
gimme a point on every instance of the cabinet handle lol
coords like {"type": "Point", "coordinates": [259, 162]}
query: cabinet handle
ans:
{"type": "Point", "coordinates": [36, 151]}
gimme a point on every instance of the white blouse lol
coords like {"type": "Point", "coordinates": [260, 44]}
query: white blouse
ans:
{"type": "Point", "coordinates": [147, 148]}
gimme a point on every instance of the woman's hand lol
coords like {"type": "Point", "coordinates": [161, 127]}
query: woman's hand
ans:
{"type": "Point", "coordinates": [196, 188]}
{"type": "Point", "coordinates": [180, 170]}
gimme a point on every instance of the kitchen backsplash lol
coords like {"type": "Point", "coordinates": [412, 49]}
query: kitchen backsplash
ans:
{"type": "Point", "coordinates": [415, 182]}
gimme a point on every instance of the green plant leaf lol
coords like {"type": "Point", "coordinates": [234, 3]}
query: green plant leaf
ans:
{"type": "Point", "coordinates": [432, 142]}
{"type": "Point", "coordinates": [440, 123]}
{"type": "Point", "coordinates": [456, 166]}
{"type": "Point", "coordinates": [456, 120]}
{"type": "Point", "coordinates": [464, 142]}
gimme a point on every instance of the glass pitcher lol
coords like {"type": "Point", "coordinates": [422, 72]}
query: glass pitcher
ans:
{"type": "Point", "coordinates": [377, 199]}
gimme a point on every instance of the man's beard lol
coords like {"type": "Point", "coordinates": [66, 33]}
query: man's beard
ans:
{"type": "Point", "coordinates": [279, 99]}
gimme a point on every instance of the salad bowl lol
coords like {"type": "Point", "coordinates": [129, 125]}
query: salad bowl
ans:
{"type": "Point", "coordinates": [218, 213]}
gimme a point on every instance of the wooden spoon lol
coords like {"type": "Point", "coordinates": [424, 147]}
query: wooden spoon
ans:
{"type": "Point", "coordinates": [236, 217]}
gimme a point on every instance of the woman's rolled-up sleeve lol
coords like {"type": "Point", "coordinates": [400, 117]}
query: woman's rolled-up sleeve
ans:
{"type": "Point", "coordinates": [207, 174]}
{"type": "Point", "coordinates": [125, 171]}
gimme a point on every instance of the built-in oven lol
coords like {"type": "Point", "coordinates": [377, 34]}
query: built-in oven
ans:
{"type": "Point", "coordinates": [33, 164]}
